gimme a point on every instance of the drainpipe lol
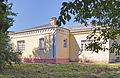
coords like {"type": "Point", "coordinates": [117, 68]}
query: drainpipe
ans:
{"type": "Point", "coordinates": [53, 46]}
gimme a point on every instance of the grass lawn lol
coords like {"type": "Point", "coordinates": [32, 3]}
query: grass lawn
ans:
{"type": "Point", "coordinates": [69, 70]}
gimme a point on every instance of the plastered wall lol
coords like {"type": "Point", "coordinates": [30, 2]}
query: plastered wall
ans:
{"type": "Point", "coordinates": [61, 51]}
{"type": "Point", "coordinates": [77, 55]}
{"type": "Point", "coordinates": [32, 44]}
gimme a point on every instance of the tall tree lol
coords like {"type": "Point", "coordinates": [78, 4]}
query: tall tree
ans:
{"type": "Point", "coordinates": [6, 21]}
{"type": "Point", "coordinates": [104, 13]}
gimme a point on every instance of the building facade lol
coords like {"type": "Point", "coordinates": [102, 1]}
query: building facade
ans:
{"type": "Point", "coordinates": [53, 44]}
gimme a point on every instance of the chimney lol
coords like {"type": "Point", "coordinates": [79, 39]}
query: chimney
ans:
{"type": "Point", "coordinates": [53, 20]}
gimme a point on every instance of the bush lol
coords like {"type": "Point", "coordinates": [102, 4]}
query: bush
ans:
{"type": "Point", "coordinates": [7, 56]}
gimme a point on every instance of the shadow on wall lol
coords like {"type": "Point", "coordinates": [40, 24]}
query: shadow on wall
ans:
{"type": "Point", "coordinates": [44, 53]}
{"type": "Point", "coordinates": [74, 49]}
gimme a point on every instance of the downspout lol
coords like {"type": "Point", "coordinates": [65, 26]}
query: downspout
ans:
{"type": "Point", "coordinates": [53, 45]}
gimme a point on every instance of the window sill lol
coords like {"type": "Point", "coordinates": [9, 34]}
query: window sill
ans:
{"type": "Point", "coordinates": [42, 48]}
{"type": "Point", "coordinates": [20, 51]}
{"type": "Point", "coordinates": [64, 47]}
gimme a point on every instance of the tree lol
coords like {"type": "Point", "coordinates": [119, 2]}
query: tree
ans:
{"type": "Point", "coordinates": [6, 21]}
{"type": "Point", "coordinates": [104, 13]}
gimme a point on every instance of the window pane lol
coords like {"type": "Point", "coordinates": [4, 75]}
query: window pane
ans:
{"type": "Point", "coordinates": [84, 44]}
{"type": "Point", "coordinates": [21, 45]}
{"type": "Point", "coordinates": [42, 43]}
{"type": "Point", "coordinates": [65, 43]}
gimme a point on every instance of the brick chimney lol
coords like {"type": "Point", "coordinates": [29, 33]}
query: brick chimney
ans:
{"type": "Point", "coordinates": [53, 20]}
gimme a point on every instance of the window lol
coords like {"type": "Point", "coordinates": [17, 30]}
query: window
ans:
{"type": "Point", "coordinates": [9, 46]}
{"type": "Point", "coordinates": [21, 45]}
{"type": "Point", "coordinates": [84, 44]}
{"type": "Point", "coordinates": [65, 43]}
{"type": "Point", "coordinates": [42, 43]}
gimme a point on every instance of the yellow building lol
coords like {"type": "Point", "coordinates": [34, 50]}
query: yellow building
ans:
{"type": "Point", "coordinates": [53, 44]}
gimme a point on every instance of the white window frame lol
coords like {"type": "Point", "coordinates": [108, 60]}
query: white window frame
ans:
{"type": "Point", "coordinates": [44, 43]}
{"type": "Point", "coordinates": [17, 46]}
{"type": "Point", "coordinates": [83, 48]}
{"type": "Point", "coordinates": [65, 44]}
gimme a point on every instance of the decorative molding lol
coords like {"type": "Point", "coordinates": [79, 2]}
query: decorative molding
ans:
{"type": "Point", "coordinates": [62, 30]}
{"type": "Point", "coordinates": [31, 33]}
{"type": "Point", "coordinates": [40, 31]}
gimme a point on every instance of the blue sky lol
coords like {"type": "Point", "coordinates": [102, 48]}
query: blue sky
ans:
{"type": "Point", "coordinates": [33, 13]}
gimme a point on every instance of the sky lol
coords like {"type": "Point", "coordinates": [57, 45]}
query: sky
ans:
{"type": "Point", "coordinates": [32, 13]}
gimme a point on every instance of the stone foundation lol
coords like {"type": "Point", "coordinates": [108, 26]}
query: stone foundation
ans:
{"type": "Point", "coordinates": [37, 60]}
{"type": "Point", "coordinates": [90, 61]}
{"type": "Point", "coordinates": [52, 61]}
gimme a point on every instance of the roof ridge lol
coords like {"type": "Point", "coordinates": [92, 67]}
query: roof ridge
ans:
{"type": "Point", "coordinates": [39, 27]}
{"type": "Point", "coordinates": [35, 27]}
{"type": "Point", "coordinates": [79, 26]}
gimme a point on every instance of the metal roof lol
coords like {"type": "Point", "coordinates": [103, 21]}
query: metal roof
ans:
{"type": "Point", "coordinates": [42, 27]}
{"type": "Point", "coordinates": [81, 27]}
{"type": "Point", "coordinates": [71, 28]}
{"type": "Point", "coordinates": [38, 27]}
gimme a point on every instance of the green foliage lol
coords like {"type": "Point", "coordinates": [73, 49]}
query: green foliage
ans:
{"type": "Point", "coordinates": [6, 54]}
{"type": "Point", "coordinates": [117, 59]}
{"type": "Point", "coordinates": [104, 13]}
{"type": "Point", "coordinates": [115, 48]}
{"type": "Point", "coordinates": [6, 21]}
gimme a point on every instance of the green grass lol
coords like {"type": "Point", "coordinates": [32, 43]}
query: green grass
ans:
{"type": "Point", "coordinates": [69, 70]}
